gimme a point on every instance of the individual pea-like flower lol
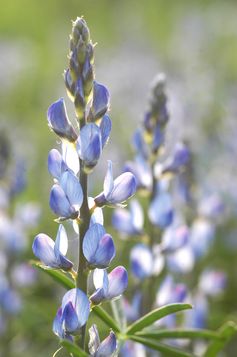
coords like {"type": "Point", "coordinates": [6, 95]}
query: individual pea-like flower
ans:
{"type": "Point", "coordinates": [117, 191]}
{"type": "Point", "coordinates": [141, 169]}
{"type": "Point", "coordinates": [100, 102]}
{"type": "Point", "coordinates": [106, 348]}
{"type": "Point", "coordinates": [212, 282]}
{"type": "Point", "coordinates": [141, 259]}
{"type": "Point", "coordinates": [179, 159]}
{"type": "Point", "coordinates": [91, 140]}
{"type": "Point", "coordinates": [201, 236]}
{"type": "Point", "coordinates": [129, 222]}
{"type": "Point", "coordinates": [109, 286]}
{"type": "Point", "coordinates": [59, 163]}
{"type": "Point", "coordinates": [52, 254]}
{"type": "Point", "coordinates": [169, 292]}
{"type": "Point", "coordinates": [66, 196]}
{"type": "Point", "coordinates": [161, 210]}
{"type": "Point", "coordinates": [58, 121]}
{"type": "Point", "coordinates": [72, 315]}
{"type": "Point", "coordinates": [173, 238]}
{"type": "Point", "coordinates": [98, 247]}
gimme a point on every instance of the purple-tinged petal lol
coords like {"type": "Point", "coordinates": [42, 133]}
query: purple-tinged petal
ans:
{"type": "Point", "coordinates": [57, 324]}
{"type": "Point", "coordinates": [72, 188]}
{"type": "Point", "coordinates": [101, 284]}
{"type": "Point", "coordinates": [89, 144]}
{"type": "Point", "coordinates": [100, 101]}
{"type": "Point", "coordinates": [124, 188]}
{"type": "Point", "coordinates": [59, 203]}
{"type": "Point", "coordinates": [70, 318]}
{"type": "Point", "coordinates": [105, 252]}
{"type": "Point", "coordinates": [55, 163]}
{"type": "Point", "coordinates": [80, 303]}
{"type": "Point", "coordinates": [118, 282]}
{"type": "Point", "coordinates": [105, 128]}
{"type": "Point", "coordinates": [141, 261]}
{"type": "Point", "coordinates": [98, 296]}
{"type": "Point", "coordinates": [107, 346]}
{"type": "Point", "coordinates": [58, 121]}
{"type": "Point", "coordinates": [43, 248]}
{"type": "Point", "coordinates": [91, 241]}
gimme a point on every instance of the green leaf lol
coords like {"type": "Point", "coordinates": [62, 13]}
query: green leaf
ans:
{"type": "Point", "coordinates": [75, 350]}
{"type": "Point", "coordinates": [104, 316]}
{"type": "Point", "coordinates": [166, 350]}
{"type": "Point", "coordinates": [178, 333]}
{"type": "Point", "coordinates": [155, 315]}
{"type": "Point", "coordinates": [57, 275]}
{"type": "Point", "coordinates": [226, 332]}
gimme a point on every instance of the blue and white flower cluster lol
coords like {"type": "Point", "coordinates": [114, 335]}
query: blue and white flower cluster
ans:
{"type": "Point", "coordinates": [16, 221]}
{"type": "Point", "coordinates": [82, 143]}
{"type": "Point", "coordinates": [168, 247]}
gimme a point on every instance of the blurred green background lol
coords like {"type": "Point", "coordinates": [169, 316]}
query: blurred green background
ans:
{"type": "Point", "coordinates": [193, 42]}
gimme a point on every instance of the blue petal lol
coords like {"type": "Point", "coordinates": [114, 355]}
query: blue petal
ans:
{"type": "Point", "coordinates": [108, 181]}
{"type": "Point", "coordinates": [59, 203]}
{"type": "Point", "coordinates": [161, 210]}
{"type": "Point", "coordinates": [43, 248]}
{"type": "Point", "coordinates": [55, 163]}
{"type": "Point", "coordinates": [72, 188]}
{"type": "Point", "coordinates": [124, 188]}
{"type": "Point", "coordinates": [80, 303]}
{"type": "Point", "coordinates": [141, 261]}
{"type": "Point", "coordinates": [91, 241]}
{"type": "Point", "coordinates": [94, 341]}
{"type": "Point", "coordinates": [158, 139]}
{"type": "Point", "coordinates": [118, 282]}
{"type": "Point", "coordinates": [105, 128]}
{"type": "Point", "coordinates": [57, 324]}
{"type": "Point", "coordinates": [61, 243]}
{"type": "Point", "coordinates": [100, 102]}
{"type": "Point", "coordinates": [89, 144]}
{"type": "Point", "coordinates": [107, 347]}
{"type": "Point", "coordinates": [105, 252]}
{"type": "Point", "coordinates": [59, 122]}
{"type": "Point", "coordinates": [70, 318]}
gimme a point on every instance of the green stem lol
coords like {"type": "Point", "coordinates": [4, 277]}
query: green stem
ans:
{"type": "Point", "coordinates": [82, 272]}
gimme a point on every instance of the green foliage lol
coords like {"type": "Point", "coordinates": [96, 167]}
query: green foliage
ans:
{"type": "Point", "coordinates": [73, 349]}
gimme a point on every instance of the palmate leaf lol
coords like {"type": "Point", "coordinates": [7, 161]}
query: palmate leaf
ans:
{"type": "Point", "coordinates": [59, 276]}
{"type": "Point", "coordinates": [167, 351]}
{"type": "Point", "coordinates": [179, 333]}
{"type": "Point", "coordinates": [106, 318]}
{"type": "Point", "coordinates": [226, 332]}
{"type": "Point", "coordinates": [73, 349]}
{"type": "Point", "coordinates": [155, 315]}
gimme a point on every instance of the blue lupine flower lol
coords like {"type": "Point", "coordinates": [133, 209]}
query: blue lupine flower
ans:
{"type": "Point", "coordinates": [161, 210]}
{"type": "Point", "coordinates": [58, 121]}
{"type": "Point", "coordinates": [201, 236]}
{"type": "Point", "coordinates": [73, 313]}
{"type": "Point", "coordinates": [53, 254]}
{"type": "Point", "coordinates": [182, 260]}
{"type": "Point", "coordinates": [98, 247]}
{"type": "Point", "coordinates": [91, 141]}
{"type": "Point", "coordinates": [212, 282]}
{"type": "Point", "coordinates": [67, 196]}
{"type": "Point", "coordinates": [100, 103]}
{"type": "Point", "coordinates": [132, 310]}
{"type": "Point", "coordinates": [109, 286]}
{"type": "Point", "coordinates": [129, 222]}
{"type": "Point", "coordinates": [141, 169]}
{"type": "Point", "coordinates": [169, 292]}
{"type": "Point", "coordinates": [180, 158]}
{"type": "Point", "coordinates": [104, 349]}
{"type": "Point", "coordinates": [56, 164]}
{"type": "Point", "coordinates": [116, 191]}
{"type": "Point", "coordinates": [141, 261]}
{"type": "Point", "coordinates": [174, 237]}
